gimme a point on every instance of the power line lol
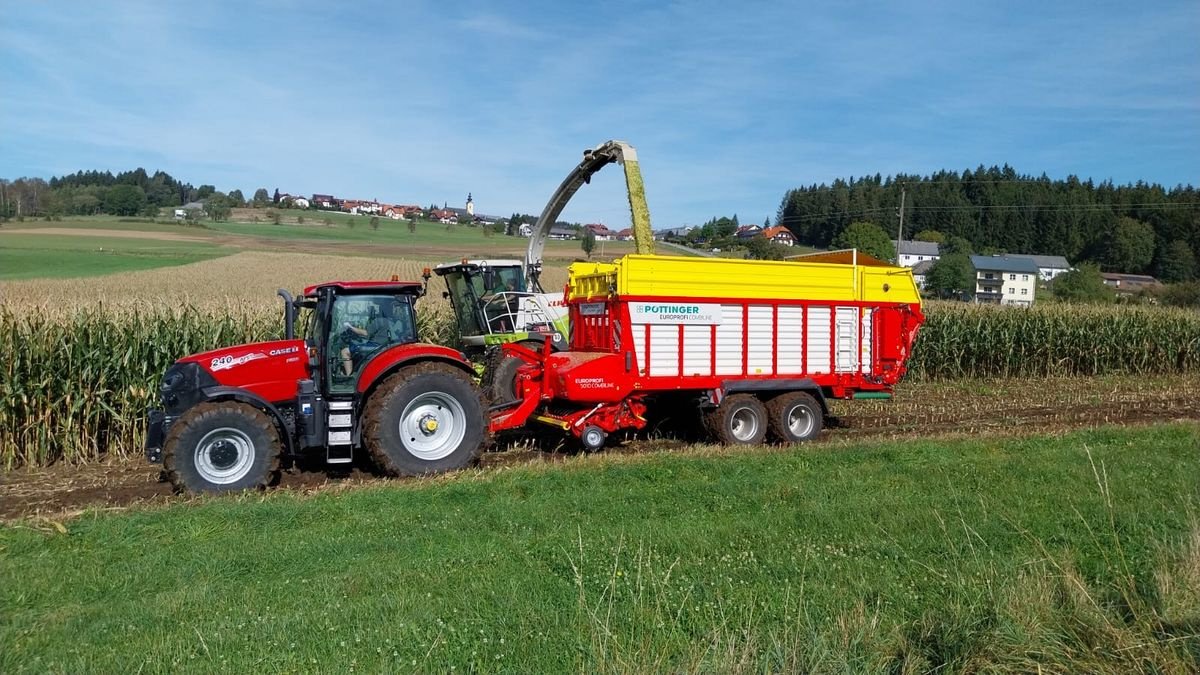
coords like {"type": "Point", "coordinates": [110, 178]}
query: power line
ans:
{"type": "Point", "coordinates": [989, 207]}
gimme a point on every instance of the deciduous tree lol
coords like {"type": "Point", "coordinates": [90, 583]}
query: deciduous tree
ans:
{"type": "Point", "coordinates": [1130, 246]}
{"type": "Point", "coordinates": [951, 276]}
{"type": "Point", "coordinates": [589, 242]}
{"type": "Point", "coordinates": [1082, 285]}
{"type": "Point", "coordinates": [868, 238]}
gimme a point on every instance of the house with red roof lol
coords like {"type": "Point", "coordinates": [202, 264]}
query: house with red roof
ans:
{"type": "Point", "coordinates": [780, 235]}
{"type": "Point", "coordinates": [601, 232]}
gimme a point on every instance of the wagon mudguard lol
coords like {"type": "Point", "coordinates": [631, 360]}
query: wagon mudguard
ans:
{"type": "Point", "coordinates": [804, 384]}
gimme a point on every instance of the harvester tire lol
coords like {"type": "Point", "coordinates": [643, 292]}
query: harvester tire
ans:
{"type": "Point", "coordinates": [740, 419]}
{"type": "Point", "coordinates": [424, 419]}
{"type": "Point", "coordinates": [224, 446]}
{"type": "Point", "coordinates": [503, 387]}
{"type": "Point", "coordinates": [794, 417]}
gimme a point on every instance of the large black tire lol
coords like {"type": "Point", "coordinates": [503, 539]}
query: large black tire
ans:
{"type": "Point", "coordinates": [794, 417]}
{"type": "Point", "coordinates": [741, 419]}
{"type": "Point", "coordinates": [224, 446]}
{"type": "Point", "coordinates": [503, 387]}
{"type": "Point", "coordinates": [424, 419]}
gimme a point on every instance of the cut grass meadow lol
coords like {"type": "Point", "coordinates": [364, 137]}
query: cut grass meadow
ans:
{"type": "Point", "coordinates": [1076, 553]}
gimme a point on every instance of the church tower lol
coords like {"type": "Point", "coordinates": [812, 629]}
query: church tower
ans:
{"type": "Point", "coordinates": [470, 205]}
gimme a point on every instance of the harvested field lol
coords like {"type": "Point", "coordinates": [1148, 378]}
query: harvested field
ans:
{"type": "Point", "coordinates": [1015, 407]}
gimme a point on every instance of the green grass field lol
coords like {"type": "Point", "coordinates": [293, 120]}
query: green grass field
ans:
{"type": "Point", "coordinates": [1068, 553]}
{"type": "Point", "coordinates": [27, 247]}
{"type": "Point", "coordinates": [34, 256]}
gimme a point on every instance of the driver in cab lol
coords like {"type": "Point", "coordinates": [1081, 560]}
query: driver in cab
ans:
{"type": "Point", "coordinates": [377, 334]}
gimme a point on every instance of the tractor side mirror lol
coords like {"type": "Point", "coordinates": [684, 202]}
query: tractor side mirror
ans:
{"type": "Point", "coordinates": [489, 278]}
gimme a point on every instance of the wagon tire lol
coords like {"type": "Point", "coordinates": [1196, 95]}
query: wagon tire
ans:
{"type": "Point", "coordinates": [794, 417]}
{"type": "Point", "coordinates": [740, 419]}
{"type": "Point", "coordinates": [425, 419]}
{"type": "Point", "coordinates": [223, 446]}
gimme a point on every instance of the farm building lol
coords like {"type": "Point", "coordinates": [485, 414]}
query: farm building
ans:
{"type": "Point", "coordinates": [913, 252]}
{"type": "Point", "coordinates": [1128, 284]}
{"type": "Point", "coordinates": [1049, 266]}
{"type": "Point", "coordinates": [1004, 280]}
{"type": "Point", "coordinates": [780, 235]}
{"type": "Point", "coordinates": [919, 271]}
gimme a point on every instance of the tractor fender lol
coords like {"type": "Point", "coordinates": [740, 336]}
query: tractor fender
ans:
{"type": "Point", "coordinates": [804, 384]}
{"type": "Point", "coordinates": [213, 394]}
{"type": "Point", "coordinates": [394, 358]}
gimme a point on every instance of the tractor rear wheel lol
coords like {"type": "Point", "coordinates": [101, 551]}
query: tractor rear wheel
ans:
{"type": "Point", "coordinates": [222, 447]}
{"type": "Point", "coordinates": [794, 417]}
{"type": "Point", "coordinates": [424, 419]}
{"type": "Point", "coordinates": [740, 419]}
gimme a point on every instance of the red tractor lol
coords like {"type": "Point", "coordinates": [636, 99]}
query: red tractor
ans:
{"type": "Point", "coordinates": [358, 380]}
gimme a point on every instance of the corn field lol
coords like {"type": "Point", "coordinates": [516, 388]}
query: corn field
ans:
{"type": "Point", "coordinates": [974, 341]}
{"type": "Point", "coordinates": [76, 384]}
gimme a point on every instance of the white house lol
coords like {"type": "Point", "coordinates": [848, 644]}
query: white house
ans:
{"type": "Point", "coordinates": [1004, 280]}
{"type": "Point", "coordinates": [1049, 266]}
{"type": "Point", "coordinates": [525, 230]}
{"type": "Point", "coordinates": [913, 252]}
{"type": "Point", "coordinates": [919, 271]}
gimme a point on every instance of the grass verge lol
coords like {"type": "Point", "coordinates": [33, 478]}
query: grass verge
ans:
{"type": "Point", "coordinates": [1071, 553]}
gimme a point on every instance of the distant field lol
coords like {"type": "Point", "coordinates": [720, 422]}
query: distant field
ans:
{"type": "Point", "coordinates": [432, 242]}
{"type": "Point", "coordinates": [57, 255]}
{"type": "Point", "coordinates": [1075, 553]}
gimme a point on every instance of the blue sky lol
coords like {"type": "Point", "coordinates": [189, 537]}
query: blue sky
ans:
{"type": "Point", "coordinates": [729, 104]}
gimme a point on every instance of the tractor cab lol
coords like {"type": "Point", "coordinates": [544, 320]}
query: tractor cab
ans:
{"type": "Point", "coordinates": [349, 323]}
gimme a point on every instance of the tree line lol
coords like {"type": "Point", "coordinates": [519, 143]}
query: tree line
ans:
{"type": "Point", "coordinates": [129, 193]}
{"type": "Point", "coordinates": [1140, 228]}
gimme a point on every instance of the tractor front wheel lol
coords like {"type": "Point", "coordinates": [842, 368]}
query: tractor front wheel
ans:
{"type": "Point", "coordinates": [424, 419]}
{"type": "Point", "coordinates": [224, 446]}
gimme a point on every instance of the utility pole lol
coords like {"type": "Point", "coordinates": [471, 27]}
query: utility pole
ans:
{"type": "Point", "coordinates": [900, 231]}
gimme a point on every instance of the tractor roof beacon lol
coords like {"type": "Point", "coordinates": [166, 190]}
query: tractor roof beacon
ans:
{"type": "Point", "coordinates": [358, 383]}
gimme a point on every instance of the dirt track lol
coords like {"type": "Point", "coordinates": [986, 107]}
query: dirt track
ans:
{"type": "Point", "coordinates": [1001, 408]}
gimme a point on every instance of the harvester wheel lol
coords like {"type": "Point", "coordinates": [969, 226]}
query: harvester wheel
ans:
{"type": "Point", "coordinates": [504, 380]}
{"type": "Point", "coordinates": [424, 419]}
{"type": "Point", "coordinates": [794, 417]}
{"type": "Point", "coordinates": [224, 446]}
{"type": "Point", "coordinates": [741, 419]}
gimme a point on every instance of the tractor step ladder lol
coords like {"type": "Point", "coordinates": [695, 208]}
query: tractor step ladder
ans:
{"type": "Point", "coordinates": [339, 447]}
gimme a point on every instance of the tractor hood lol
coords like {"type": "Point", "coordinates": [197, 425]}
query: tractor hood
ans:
{"type": "Point", "coordinates": [269, 369]}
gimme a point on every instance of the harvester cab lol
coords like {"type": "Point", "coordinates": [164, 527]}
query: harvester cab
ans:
{"type": "Point", "coordinates": [356, 383]}
{"type": "Point", "coordinates": [493, 305]}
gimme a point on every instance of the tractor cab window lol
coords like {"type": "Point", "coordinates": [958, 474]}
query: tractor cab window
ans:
{"type": "Point", "coordinates": [362, 326]}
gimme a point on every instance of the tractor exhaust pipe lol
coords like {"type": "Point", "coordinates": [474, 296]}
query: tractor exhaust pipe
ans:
{"type": "Point", "coordinates": [289, 314]}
